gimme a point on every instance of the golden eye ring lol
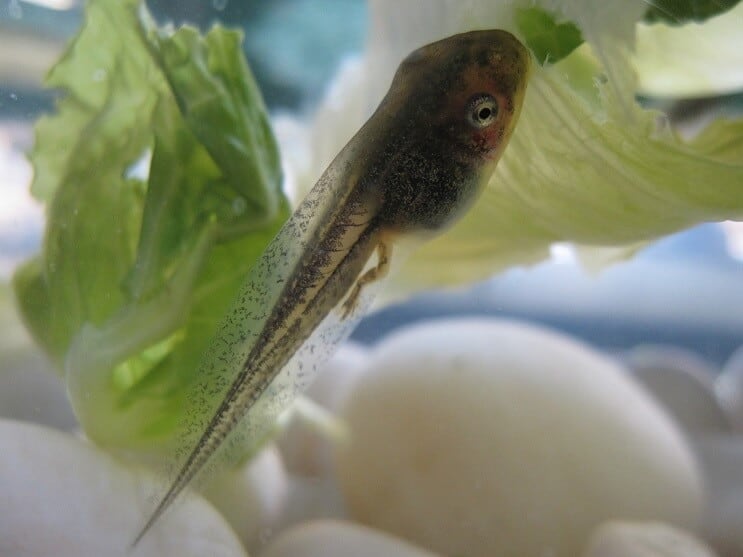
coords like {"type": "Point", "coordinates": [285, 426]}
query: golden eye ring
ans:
{"type": "Point", "coordinates": [482, 110]}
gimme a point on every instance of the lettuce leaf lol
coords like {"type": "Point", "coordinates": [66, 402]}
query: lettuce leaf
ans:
{"type": "Point", "coordinates": [135, 273]}
{"type": "Point", "coordinates": [549, 40]}
{"type": "Point", "coordinates": [691, 60]}
{"type": "Point", "coordinates": [677, 12]}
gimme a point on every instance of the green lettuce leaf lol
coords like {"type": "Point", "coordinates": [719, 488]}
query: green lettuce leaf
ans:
{"type": "Point", "coordinates": [681, 11]}
{"type": "Point", "coordinates": [135, 274]}
{"type": "Point", "coordinates": [549, 40]}
{"type": "Point", "coordinates": [691, 60]}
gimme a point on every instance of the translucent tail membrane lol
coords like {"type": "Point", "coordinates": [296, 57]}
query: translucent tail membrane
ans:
{"type": "Point", "coordinates": [284, 323]}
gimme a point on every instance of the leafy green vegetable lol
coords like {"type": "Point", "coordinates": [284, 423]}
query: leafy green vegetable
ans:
{"type": "Point", "coordinates": [690, 60]}
{"type": "Point", "coordinates": [548, 40]}
{"type": "Point", "coordinates": [677, 12]}
{"type": "Point", "coordinates": [135, 274]}
{"type": "Point", "coordinates": [551, 41]}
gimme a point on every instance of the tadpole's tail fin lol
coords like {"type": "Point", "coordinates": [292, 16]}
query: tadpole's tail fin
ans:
{"type": "Point", "coordinates": [220, 426]}
{"type": "Point", "coordinates": [323, 218]}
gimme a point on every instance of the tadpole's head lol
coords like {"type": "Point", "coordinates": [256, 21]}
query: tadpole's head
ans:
{"type": "Point", "coordinates": [464, 93]}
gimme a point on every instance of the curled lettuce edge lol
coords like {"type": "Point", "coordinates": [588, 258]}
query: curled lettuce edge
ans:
{"type": "Point", "coordinates": [135, 274]}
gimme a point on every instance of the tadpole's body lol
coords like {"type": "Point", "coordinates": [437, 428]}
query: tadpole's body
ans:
{"type": "Point", "coordinates": [416, 165]}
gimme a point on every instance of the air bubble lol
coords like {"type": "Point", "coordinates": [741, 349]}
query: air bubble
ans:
{"type": "Point", "coordinates": [219, 5]}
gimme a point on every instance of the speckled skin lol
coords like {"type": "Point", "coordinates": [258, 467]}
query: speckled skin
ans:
{"type": "Point", "coordinates": [410, 171]}
{"type": "Point", "coordinates": [432, 159]}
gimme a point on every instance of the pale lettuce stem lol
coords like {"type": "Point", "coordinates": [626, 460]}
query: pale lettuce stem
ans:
{"type": "Point", "coordinates": [95, 351]}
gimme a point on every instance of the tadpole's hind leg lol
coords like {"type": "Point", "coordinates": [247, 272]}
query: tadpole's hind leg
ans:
{"type": "Point", "coordinates": [372, 275]}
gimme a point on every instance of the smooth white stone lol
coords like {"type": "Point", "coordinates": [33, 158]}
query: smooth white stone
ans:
{"type": "Point", "coordinates": [684, 385]}
{"type": "Point", "coordinates": [729, 389]}
{"type": "Point", "coordinates": [644, 539]}
{"type": "Point", "coordinates": [31, 392]}
{"type": "Point", "coordinates": [306, 450]}
{"type": "Point", "coordinates": [486, 438]}
{"type": "Point", "coordinates": [311, 499]}
{"type": "Point", "coordinates": [29, 388]}
{"type": "Point", "coordinates": [721, 458]}
{"type": "Point", "coordinates": [328, 538]}
{"type": "Point", "coordinates": [251, 498]}
{"type": "Point", "coordinates": [60, 496]}
{"type": "Point", "coordinates": [335, 381]}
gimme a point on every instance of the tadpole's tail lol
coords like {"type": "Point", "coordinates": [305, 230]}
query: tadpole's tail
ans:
{"type": "Point", "coordinates": [223, 421]}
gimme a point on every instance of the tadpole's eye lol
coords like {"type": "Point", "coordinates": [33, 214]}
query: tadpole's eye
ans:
{"type": "Point", "coordinates": [482, 110]}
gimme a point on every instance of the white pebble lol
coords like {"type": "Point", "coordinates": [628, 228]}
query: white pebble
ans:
{"type": "Point", "coordinates": [306, 450]}
{"type": "Point", "coordinates": [729, 389]}
{"type": "Point", "coordinates": [311, 499]}
{"type": "Point", "coordinates": [31, 391]}
{"type": "Point", "coordinates": [683, 384]}
{"type": "Point", "coordinates": [62, 497]}
{"type": "Point", "coordinates": [644, 539]}
{"type": "Point", "coordinates": [486, 438]}
{"type": "Point", "coordinates": [335, 381]}
{"type": "Point", "coordinates": [251, 498]}
{"type": "Point", "coordinates": [328, 538]}
{"type": "Point", "coordinates": [721, 458]}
